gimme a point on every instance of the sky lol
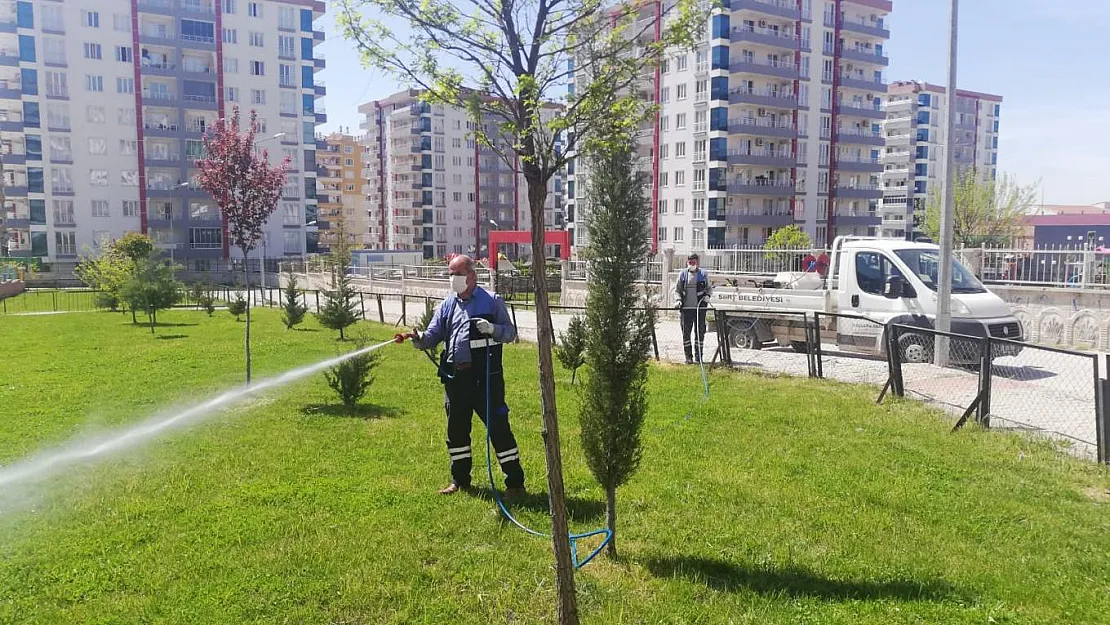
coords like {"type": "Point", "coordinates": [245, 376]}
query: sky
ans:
{"type": "Point", "coordinates": [1046, 58]}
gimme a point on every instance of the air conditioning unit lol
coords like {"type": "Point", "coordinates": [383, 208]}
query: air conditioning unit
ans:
{"type": "Point", "coordinates": [759, 141]}
{"type": "Point", "coordinates": [763, 23]}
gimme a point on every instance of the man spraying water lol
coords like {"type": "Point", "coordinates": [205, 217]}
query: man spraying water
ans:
{"type": "Point", "coordinates": [692, 290]}
{"type": "Point", "coordinates": [470, 321]}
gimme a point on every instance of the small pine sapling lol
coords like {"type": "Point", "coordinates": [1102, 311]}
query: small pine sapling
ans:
{"type": "Point", "coordinates": [351, 378]}
{"type": "Point", "coordinates": [571, 350]}
{"type": "Point", "coordinates": [237, 306]}
{"type": "Point", "coordinates": [293, 310]}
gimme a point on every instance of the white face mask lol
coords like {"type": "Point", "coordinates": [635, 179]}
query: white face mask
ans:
{"type": "Point", "coordinates": [458, 284]}
{"type": "Point", "coordinates": [692, 268]}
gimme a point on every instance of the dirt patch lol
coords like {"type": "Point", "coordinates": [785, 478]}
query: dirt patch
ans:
{"type": "Point", "coordinates": [1098, 494]}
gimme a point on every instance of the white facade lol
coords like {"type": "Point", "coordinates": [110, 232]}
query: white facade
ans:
{"type": "Point", "coordinates": [118, 94]}
{"type": "Point", "coordinates": [914, 159]}
{"type": "Point", "coordinates": [432, 188]}
{"type": "Point", "coordinates": [745, 143]}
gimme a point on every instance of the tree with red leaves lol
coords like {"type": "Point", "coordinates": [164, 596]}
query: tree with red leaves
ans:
{"type": "Point", "coordinates": [244, 185]}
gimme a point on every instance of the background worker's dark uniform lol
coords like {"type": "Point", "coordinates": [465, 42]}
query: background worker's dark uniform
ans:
{"type": "Point", "coordinates": [463, 373]}
{"type": "Point", "coordinates": [692, 291]}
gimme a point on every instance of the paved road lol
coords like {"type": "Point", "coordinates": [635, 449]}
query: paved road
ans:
{"type": "Point", "coordinates": [1037, 389]}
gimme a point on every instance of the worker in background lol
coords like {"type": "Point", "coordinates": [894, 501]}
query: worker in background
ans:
{"type": "Point", "coordinates": [469, 322]}
{"type": "Point", "coordinates": [692, 291]}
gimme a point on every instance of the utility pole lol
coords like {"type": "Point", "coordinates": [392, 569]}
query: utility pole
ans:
{"type": "Point", "coordinates": [948, 211]}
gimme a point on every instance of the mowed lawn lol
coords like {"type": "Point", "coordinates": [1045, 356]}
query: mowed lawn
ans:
{"type": "Point", "coordinates": [779, 501]}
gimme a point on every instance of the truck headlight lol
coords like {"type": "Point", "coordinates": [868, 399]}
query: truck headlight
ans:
{"type": "Point", "coordinates": [960, 309]}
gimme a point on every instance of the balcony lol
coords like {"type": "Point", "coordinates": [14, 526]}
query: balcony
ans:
{"type": "Point", "coordinates": [870, 112]}
{"type": "Point", "coordinates": [777, 8]}
{"type": "Point", "coordinates": [11, 90]}
{"type": "Point", "coordinates": [762, 127]}
{"type": "Point", "coordinates": [155, 35]}
{"type": "Point", "coordinates": [157, 95]}
{"type": "Point", "coordinates": [160, 6]}
{"type": "Point", "coordinates": [861, 218]}
{"type": "Point", "coordinates": [197, 67]}
{"type": "Point", "coordinates": [775, 98]}
{"type": "Point", "coordinates": [859, 136]}
{"type": "Point", "coordinates": [862, 191]}
{"type": "Point", "coordinates": [778, 69]}
{"type": "Point", "coordinates": [202, 42]}
{"type": "Point", "coordinates": [762, 186]}
{"type": "Point", "coordinates": [871, 28]}
{"type": "Point", "coordinates": [9, 58]}
{"type": "Point", "coordinates": [759, 217]}
{"type": "Point", "coordinates": [201, 101]}
{"type": "Point", "coordinates": [766, 36]}
{"type": "Point", "coordinates": [848, 81]}
{"type": "Point", "coordinates": [761, 157]}
{"type": "Point", "coordinates": [159, 67]}
{"type": "Point", "coordinates": [863, 55]}
{"type": "Point", "coordinates": [851, 163]}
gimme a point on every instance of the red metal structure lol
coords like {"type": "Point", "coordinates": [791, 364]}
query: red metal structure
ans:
{"type": "Point", "coordinates": [550, 237]}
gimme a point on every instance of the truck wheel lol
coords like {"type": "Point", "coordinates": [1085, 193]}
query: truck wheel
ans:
{"type": "Point", "coordinates": [799, 346]}
{"type": "Point", "coordinates": [916, 349]}
{"type": "Point", "coordinates": [743, 337]}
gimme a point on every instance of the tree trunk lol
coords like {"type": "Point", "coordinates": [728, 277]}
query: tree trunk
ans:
{"type": "Point", "coordinates": [611, 519]}
{"type": "Point", "coordinates": [134, 320]}
{"type": "Point", "coordinates": [567, 603]}
{"type": "Point", "coordinates": [247, 286]}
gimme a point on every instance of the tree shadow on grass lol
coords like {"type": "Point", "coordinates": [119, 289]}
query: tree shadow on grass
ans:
{"type": "Point", "coordinates": [578, 509]}
{"type": "Point", "coordinates": [172, 325]}
{"type": "Point", "coordinates": [358, 411]}
{"type": "Point", "coordinates": [170, 337]}
{"type": "Point", "coordinates": [307, 329]}
{"type": "Point", "coordinates": [796, 582]}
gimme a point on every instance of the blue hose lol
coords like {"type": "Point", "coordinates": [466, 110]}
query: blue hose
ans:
{"type": "Point", "coordinates": [501, 504]}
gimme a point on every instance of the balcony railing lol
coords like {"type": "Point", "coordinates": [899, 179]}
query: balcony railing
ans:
{"type": "Point", "coordinates": [189, 97]}
{"type": "Point", "coordinates": [762, 153]}
{"type": "Point", "coordinates": [163, 65]}
{"type": "Point", "coordinates": [198, 38]}
{"type": "Point", "coordinates": [158, 34]}
{"type": "Point", "coordinates": [740, 123]}
{"type": "Point", "coordinates": [158, 95]}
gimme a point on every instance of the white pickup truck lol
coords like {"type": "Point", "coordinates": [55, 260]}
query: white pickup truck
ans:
{"type": "Point", "coordinates": [886, 281]}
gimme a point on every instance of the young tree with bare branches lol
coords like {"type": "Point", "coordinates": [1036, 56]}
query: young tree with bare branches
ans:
{"type": "Point", "coordinates": [518, 56]}
{"type": "Point", "coordinates": [244, 185]}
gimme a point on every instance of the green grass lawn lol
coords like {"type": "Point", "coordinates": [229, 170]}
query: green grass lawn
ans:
{"type": "Point", "coordinates": [780, 501]}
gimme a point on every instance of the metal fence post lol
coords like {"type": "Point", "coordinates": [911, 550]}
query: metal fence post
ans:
{"type": "Point", "coordinates": [820, 355]}
{"type": "Point", "coordinates": [1102, 413]}
{"type": "Point", "coordinates": [381, 311]}
{"type": "Point", "coordinates": [362, 304]}
{"type": "Point", "coordinates": [317, 300]}
{"type": "Point", "coordinates": [983, 413]}
{"type": "Point", "coordinates": [404, 311]}
{"type": "Point", "coordinates": [894, 353]}
{"type": "Point", "coordinates": [55, 298]}
{"type": "Point", "coordinates": [654, 341]}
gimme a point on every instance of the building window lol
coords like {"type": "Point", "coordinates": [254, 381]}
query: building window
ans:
{"type": "Point", "coordinates": [285, 75]}
{"type": "Point", "coordinates": [258, 68]}
{"type": "Point", "coordinates": [92, 51]}
{"type": "Point", "coordinates": [65, 243]}
{"type": "Point", "coordinates": [286, 46]}
{"type": "Point", "coordinates": [100, 208]}
{"type": "Point", "coordinates": [95, 114]}
{"type": "Point", "coordinates": [130, 208]}
{"type": "Point", "coordinates": [230, 7]}
{"type": "Point", "coordinates": [254, 9]}
{"type": "Point", "coordinates": [662, 233]}
{"type": "Point", "coordinates": [679, 181]}
{"type": "Point", "coordinates": [231, 66]}
{"type": "Point", "coordinates": [206, 238]}
{"type": "Point", "coordinates": [680, 92]}
{"type": "Point", "coordinates": [256, 40]}
{"type": "Point", "coordinates": [128, 147]}
{"type": "Point", "coordinates": [125, 85]}
{"type": "Point", "coordinates": [232, 94]}
{"type": "Point", "coordinates": [123, 54]}
{"type": "Point", "coordinates": [230, 35]}
{"type": "Point", "coordinates": [679, 206]}
{"type": "Point", "coordinates": [680, 149]}
{"type": "Point", "coordinates": [679, 236]}
{"type": "Point", "coordinates": [90, 18]}
{"type": "Point", "coordinates": [63, 212]}
{"type": "Point", "coordinates": [680, 121]}
{"type": "Point", "coordinates": [258, 96]}
{"type": "Point", "coordinates": [94, 83]}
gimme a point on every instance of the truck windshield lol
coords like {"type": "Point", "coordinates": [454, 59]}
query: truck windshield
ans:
{"type": "Point", "coordinates": [925, 263]}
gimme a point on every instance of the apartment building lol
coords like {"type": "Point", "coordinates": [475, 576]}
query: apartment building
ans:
{"type": "Point", "coordinates": [773, 119]}
{"type": "Point", "coordinates": [341, 163]}
{"type": "Point", "coordinates": [432, 187]}
{"type": "Point", "coordinates": [914, 159]}
{"type": "Point", "coordinates": [103, 104]}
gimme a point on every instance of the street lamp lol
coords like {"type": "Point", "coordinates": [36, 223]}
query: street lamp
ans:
{"type": "Point", "coordinates": [262, 250]}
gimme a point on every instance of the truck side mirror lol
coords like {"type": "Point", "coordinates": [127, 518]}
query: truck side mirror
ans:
{"type": "Point", "coordinates": [894, 287]}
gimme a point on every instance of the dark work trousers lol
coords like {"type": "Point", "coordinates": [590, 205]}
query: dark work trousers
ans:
{"type": "Point", "coordinates": [688, 317]}
{"type": "Point", "coordinates": [465, 395]}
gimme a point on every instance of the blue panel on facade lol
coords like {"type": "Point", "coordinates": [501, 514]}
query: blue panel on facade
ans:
{"type": "Point", "coordinates": [922, 134]}
{"type": "Point", "coordinates": [570, 189]}
{"type": "Point", "coordinates": [24, 15]}
{"type": "Point", "coordinates": [29, 78]}
{"type": "Point", "coordinates": [718, 87]}
{"type": "Point", "coordinates": [33, 147]}
{"type": "Point", "coordinates": [720, 57]}
{"type": "Point", "coordinates": [306, 20]}
{"type": "Point", "coordinates": [35, 180]}
{"type": "Point", "coordinates": [924, 99]}
{"type": "Point", "coordinates": [426, 197]}
{"type": "Point", "coordinates": [921, 169]}
{"type": "Point", "coordinates": [919, 186]}
{"type": "Point", "coordinates": [923, 117]}
{"type": "Point", "coordinates": [308, 132]}
{"type": "Point", "coordinates": [720, 27]}
{"type": "Point", "coordinates": [718, 119]}
{"type": "Point", "coordinates": [922, 151]}
{"type": "Point", "coordinates": [306, 48]}
{"type": "Point", "coordinates": [718, 148]}
{"type": "Point", "coordinates": [38, 212]}
{"type": "Point", "coordinates": [27, 48]}
{"type": "Point", "coordinates": [716, 209]}
{"type": "Point", "coordinates": [306, 76]}
{"type": "Point", "coordinates": [308, 103]}
{"type": "Point", "coordinates": [31, 114]}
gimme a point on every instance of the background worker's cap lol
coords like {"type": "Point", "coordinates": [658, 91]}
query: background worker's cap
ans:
{"type": "Point", "coordinates": [692, 256]}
